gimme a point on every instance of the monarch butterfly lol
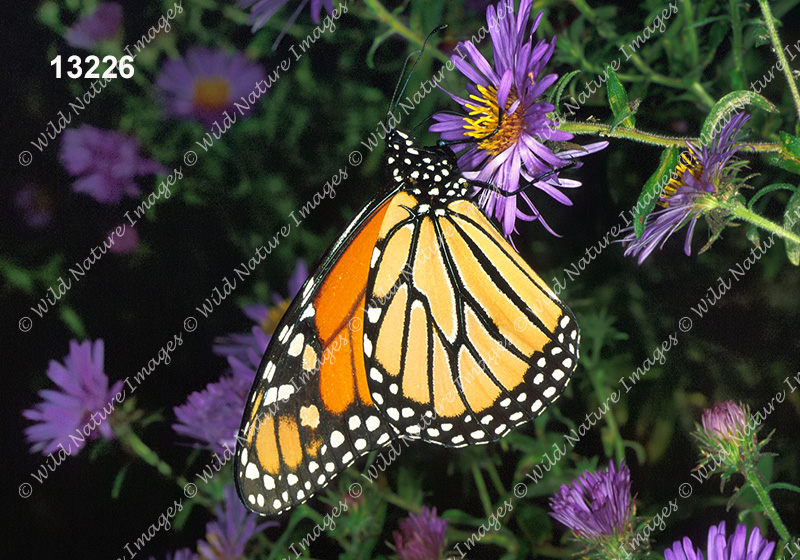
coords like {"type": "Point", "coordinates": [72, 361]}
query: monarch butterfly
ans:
{"type": "Point", "coordinates": [421, 320]}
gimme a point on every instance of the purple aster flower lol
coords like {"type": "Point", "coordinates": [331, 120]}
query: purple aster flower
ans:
{"type": "Point", "coordinates": [597, 504]}
{"type": "Point", "coordinates": [703, 176]}
{"type": "Point", "coordinates": [263, 10]}
{"type": "Point", "coordinates": [100, 25]}
{"type": "Point", "coordinates": [35, 206]}
{"type": "Point", "coordinates": [126, 242]}
{"type": "Point", "coordinates": [227, 536]}
{"type": "Point", "coordinates": [421, 537]}
{"type": "Point", "coordinates": [736, 547]}
{"type": "Point", "coordinates": [206, 83]}
{"type": "Point", "coordinates": [83, 393]}
{"type": "Point", "coordinates": [726, 420]}
{"type": "Point", "coordinates": [212, 416]}
{"type": "Point", "coordinates": [726, 440]}
{"type": "Point", "coordinates": [105, 162]}
{"type": "Point", "coordinates": [266, 318]}
{"type": "Point", "coordinates": [509, 94]}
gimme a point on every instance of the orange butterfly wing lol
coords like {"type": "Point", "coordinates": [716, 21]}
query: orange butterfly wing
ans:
{"type": "Point", "coordinates": [463, 340]}
{"type": "Point", "coordinates": [309, 414]}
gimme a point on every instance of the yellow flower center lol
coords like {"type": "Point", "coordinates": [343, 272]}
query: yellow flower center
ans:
{"type": "Point", "coordinates": [274, 316]}
{"type": "Point", "coordinates": [211, 93]}
{"type": "Point", "coordinates": [688, 163]}
{"type": "Point", "coordinates": [486, 116]}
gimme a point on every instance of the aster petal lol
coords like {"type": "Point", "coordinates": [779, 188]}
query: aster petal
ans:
{"type": "Point", "coordinates": [699, 179]}
{"type": "Point", "coordinates": [504, 89]}
{"type": "Point", "coordinates": [553, 192]}
{"type": "Point", "coordinates": [467, 69]}
{"type": "Point", "coordinates": [537, 89]}
{"type": "Point", "coordinates": [687, 246]}
{"type": "Point", "coordinates": [234, 526]}
{"type": "Point", "coordinates": [583, 151]}
{"type": "Point", "coordinates": [542, 152]}
{"type": "Point", "coordinates": [683, 550]}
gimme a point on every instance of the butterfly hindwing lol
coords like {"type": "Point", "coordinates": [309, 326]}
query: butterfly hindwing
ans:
{"type": "Point", "coordinates": [463, 340]}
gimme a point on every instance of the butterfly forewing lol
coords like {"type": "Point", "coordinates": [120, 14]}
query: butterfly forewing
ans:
{"type": "Point", "coordinates": [309, 414]}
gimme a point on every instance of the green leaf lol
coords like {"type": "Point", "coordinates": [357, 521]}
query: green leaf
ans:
{"type": "Point", "coordinates": [182, 515]}
{"type": "Point", "coordinates": [377, 42]}
{"type": "Point", "coordinates": [787, 164]}
{"type": "Point", "coordinates": [653, 187]}
{"type": "Point", "coordinates": [19, 277]}
{"type": "Point", "coordinates": [425, 14]}
{"type": "Point", "coordinates": [116, 487]}
{"type": "Point", "coordinates": [561, 84]}
{"type": "Point", "coordinates": [706, 21]}
{"type": "Point", "coordinates": [782, 486]}
{"type": "Point", "coordinates": [762, 35]}
{"type": "Point", "coordinates": [752, 235]}
{"type": "Point", "coordinates": [788, 156]}
{"type": "Point", "coordinates": [618, 100]}
{"type": "Point", "coordinates": [733, 102]}
{"type": "Point", "coordinates": [791, 221]}
{"type": "Point", "coordinates": [790, 146]}
{"type": "Point", "coordinates": [72, 320]}
{"type": "Point", "coordinates": [769, 189]}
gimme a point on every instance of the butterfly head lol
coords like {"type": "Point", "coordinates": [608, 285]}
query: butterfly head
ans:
{"type": "Point", "coordinates": [427, 171]}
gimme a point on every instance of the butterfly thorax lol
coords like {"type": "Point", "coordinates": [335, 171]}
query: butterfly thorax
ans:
{"type": "Point", "coordinates": [431, 174]}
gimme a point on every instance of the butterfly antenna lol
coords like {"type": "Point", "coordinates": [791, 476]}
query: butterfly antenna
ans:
{"type": "Point", "coordinates": [398, 91]}
{"type": "Point", "coordinates": [500, 192]}
{"type": "Point", "coordinates": [429, 117]}
{"type": "Point", "coordinates": [397, 95]}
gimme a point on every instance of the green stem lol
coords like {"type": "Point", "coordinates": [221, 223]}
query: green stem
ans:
{"type": "Point", "coordinates": [482, 490]}
{"type": "Point", "coordinates": [387, 17]}
{"type": "Point", "coordinates": [766, 501]}
{"type": "Point", "coordinates": [396, 500]}
{"type": "Point", "coordinates": [578, 127]}
{"type": "Point", "coordinates": [778, 48]}
{"type": "Point", "coordinates": [739, 210]}
{"type": "Point", "coordinates": [736, 27]}
{"type": "Point", "coordinates": [690, 33]}
{"type": "Point", "coordinates": [491, 470]}
{"type": "Point", "coordinates": [129, 438]}
{"type": "Point", "coordinates": [702, 93]}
